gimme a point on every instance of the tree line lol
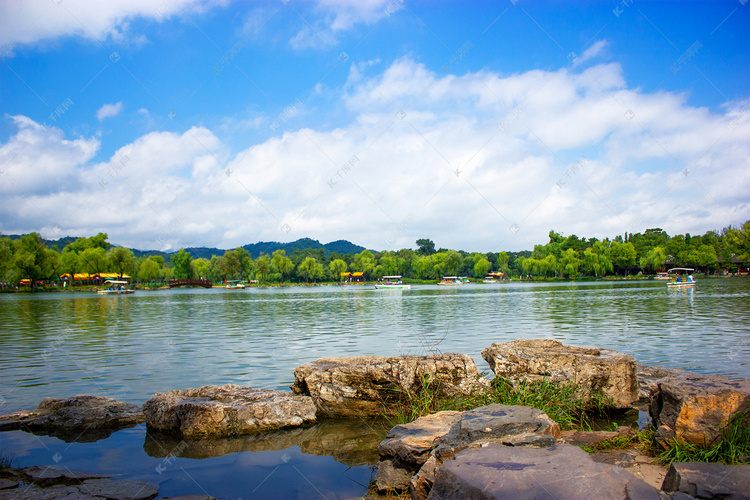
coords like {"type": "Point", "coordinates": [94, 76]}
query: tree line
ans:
{"type": "Point", "coordinates": [562, 257]}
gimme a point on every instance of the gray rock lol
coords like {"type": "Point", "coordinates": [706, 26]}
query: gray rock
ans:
{"type": "Point", "coordinates": [558, 472]}
{"type": "Point", "coordinates": [708, 480]}
{"type": "Point", "coordinates": [590, 369]}
{"type": "Point", "coordinates": [82, 418]}
{"type": "Point", "coordinates": [693, 408]}
{"type": "Point", "coordinates": [8, 484]}
{"type": "Point", "coordinates": [47, 476]}
{"type": "Point", "coordinates": [499, 424]}
{"type": "Point", "coordinates": [374, 385]}
{"type": "Point", "coordinates": [412, 443]}
{"type": "Point", "coordinates": [228, 410]}
{"type": "Point", "coordinates": [118, 490]}
{"type": "Point", "coordinates": [650, 376]}
{"type": "Point", "coordinates": [392, 478]}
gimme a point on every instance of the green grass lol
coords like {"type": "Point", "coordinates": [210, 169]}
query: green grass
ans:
{"type": "Point", "coordinates": [6, 460]}
{"type": "Point", "coordinates": [733, 449]}
{"type": "Point", "coordinates": [557, 400]}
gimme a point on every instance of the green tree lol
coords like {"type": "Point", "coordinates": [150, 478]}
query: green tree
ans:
{"type": "Point", "coordinates": [739, 240]}
{"type": "Point", "coordinates": [121, 259]}
{"type": "Point", "coordinates": [33, 260]}
{"type": "Point", "coordinates": [364, 262]}
{"type": "Point", "coordinates": [452, 261]}
{"type": "Point", "coordinates": [482, 267]}
{"type": "Point", "coordinates": [622, 256]}
{"type": "Point", "coordinates": [283, 263]}
{"type": "Point", "coordinates": [93, 260]}
{"type": "Point", "coordinates": [181, 263]}
{"type": "Point", "coordinates": [337, 266]}
{"type": "Point", "coordinates": [425, 247]}
{"type": "Point", "coordinates": [244, 261]}
{"type": "Point", "coordinates": [262, 266]}
{"type": "Point", "coordinates": [149, 271]}
{"type": "Point", "coordinates": [202, 268]}
{"type": "Point", "coordinates": [570, 262]}
{"type": "Point", "coordinates": [502, 262]}
{"type": "Point", "coordinates": [654, 260]}
{"type": "Point", "coordinates": [310, 269]}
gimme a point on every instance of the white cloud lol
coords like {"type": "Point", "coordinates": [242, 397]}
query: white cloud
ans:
{"type": "Point", "coordinates": [595, 50]}
{"type": "Point", "coordinates": [31, 21]}
{"type": "Point", "coordinates": [109, 110]}
{"type": "Point", "coordinates": [477, 162]}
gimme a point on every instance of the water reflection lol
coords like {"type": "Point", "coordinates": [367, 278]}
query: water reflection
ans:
{"type": "Point", "coordinates": [352, 442]}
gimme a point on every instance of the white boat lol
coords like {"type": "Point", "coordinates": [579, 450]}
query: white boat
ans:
{"type": "Point", "coordinates": [681, 281]}
{"type": "Point", "coordinates": [452, 281]}
{"type": "Point", "coordinates": [392, 282]}
{"type": "Point", "coordinates": [235, 285]}
{"type": "Point", "coordinates": [116, 287]}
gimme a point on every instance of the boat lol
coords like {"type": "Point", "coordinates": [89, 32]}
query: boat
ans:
{"type": "Point", "coordinates": [681, 281]}
{"type": "Point", "coordinates": [489, 280]}
{"type": "Point", "coordinates": [116, 287]}
{"type": "Point", "coordinates": [235, 285]}
{"type": "Point", "coordinates": [392, 282]}
{"type": "Point", "coordinates": [662, 276]}
{"type": "Point", "coordinates": [452, 281]}
{"type": "Point", "coordinates": [494, 277]}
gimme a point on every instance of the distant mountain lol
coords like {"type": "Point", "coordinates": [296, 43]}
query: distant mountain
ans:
{"type": "Point", "coordinates": [254, 249]}
{"type": "Point", "coordinates": [269, 247]}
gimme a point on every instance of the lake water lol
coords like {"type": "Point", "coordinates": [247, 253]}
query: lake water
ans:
{"type": "Point", "coordinates": [129, 347]}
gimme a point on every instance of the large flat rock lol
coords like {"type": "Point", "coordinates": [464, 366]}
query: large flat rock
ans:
{"type": "Point", "coordinates": [228, 410]}
{"type": "Point", "coordinates": [47, 483]}
{"type": "Point", "coordinates": [708, 480]}
{"type": "Point", "coordinates": [82, 418]}
{"type": "Point", "coordinates": [589, 369]}
{"type": "Point", "coordinates": [558, 472]}
{"type": "Point", "coordinates": [375, 385]}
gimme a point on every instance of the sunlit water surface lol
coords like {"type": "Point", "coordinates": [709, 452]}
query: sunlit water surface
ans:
{"type": "Point", "coordinates": [129, 347]}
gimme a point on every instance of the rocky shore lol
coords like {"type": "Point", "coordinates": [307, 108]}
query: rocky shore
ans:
{"type": "Point", "coordinates": [494, 451]}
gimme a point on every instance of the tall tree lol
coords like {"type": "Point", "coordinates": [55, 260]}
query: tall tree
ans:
{"type": "Point", "coordinates": [121, 259]}
{"type": "Point", "coordinates": [452, 261]}
{"type": "Point", "coordinates": [33, 260]}
{"type": "Point", "coordinates": [94, 260]}
{"type": "Point", "coordinates": [310, 269]}
{"type": "Point", "coordinates": [425, 246]}
{"type": "Point", "coordinates": [337, 266]}
{"type": "Point", "coordinates": [283, 263]}
{"type": "Point", "coordinates": [262, 266]}
{"type": "Point", "coordinates": [181, 262]}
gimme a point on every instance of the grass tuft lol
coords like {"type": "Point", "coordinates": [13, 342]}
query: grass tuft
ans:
{"type": "Point", "coordinates": [559, 401]}
{"type": "Point", "coordinates": [733, 449]}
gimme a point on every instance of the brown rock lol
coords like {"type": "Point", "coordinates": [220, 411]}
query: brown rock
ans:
{"type": "Point", "coordinates": [693, 408]}
{"type": "Point", "coordinates": [227, 410]}
{"type": "Point", "coordinates": [590, 369]}
{"type": "Point", "coordinates": [373, 385]}
{"type": "Point", "coordinates": [82, 418]}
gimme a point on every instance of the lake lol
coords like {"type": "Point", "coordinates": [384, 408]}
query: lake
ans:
{"type": "Point", "coordinates": [129, 347]}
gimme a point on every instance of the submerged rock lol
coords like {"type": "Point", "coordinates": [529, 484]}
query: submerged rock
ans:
{"type": "Point", "coordinates": [373, 385]}
{"type": "Point", "coordinates": [82, 418]}
{"type": "Point", "coordinates": [693, 408]}
{"type": "Point", "coordinates": [557, 472]}
{"type": "Point", "coordinates": [590, 369]}
{"type": "Point", "coordinates": [228, 410]}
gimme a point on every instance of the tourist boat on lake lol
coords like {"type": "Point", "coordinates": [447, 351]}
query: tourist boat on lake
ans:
{"type": "Point", "coordinates": [452, 281]}
{"type": "Point", "coordinates": [662, 276]}
{"type": "Point", "coordinates": [392, 282]}
{"type": "Point", "coordinates": [235, 285]}
{"type": "Point", "coordinates": [116, 287]}
{"type": "Point", "coordinates": [681, 281]}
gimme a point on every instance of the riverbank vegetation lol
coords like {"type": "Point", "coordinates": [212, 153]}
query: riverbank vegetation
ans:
{"type": "Point", "coordinates": [28, 260]}
{"type": "Point", "coordinates": [558, 401]}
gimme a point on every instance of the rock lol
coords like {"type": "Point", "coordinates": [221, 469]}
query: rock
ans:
{"type": "Point", "coordinates": [46, 483]}
{"type": "Point", "coordinates": [421, 446]}
{"type": "Point", "coordinates": [590, 369]}
{"type": "Point", "coordinates": [392, 478]}
{"type": "Point", "coordinates": [558, 472]}
{"type": "Point", "coordinates": [82, 418]}
{"type": "Point", "coordinates": [650, 376]}
{"type": "Point", "coordinates": [708, 480]}
{"type": "Point", "coordinates": [504, 424]}
{"type": "Point", "coordinates": [228, 410]}
{"type": "Point", "coordinates": [582, 438]}
{"type": "Point", "coordinates": [373, 385]}
{"type": "Point", "coordinates": [8, 484]}
{"type": "Point", "coordinates": [693, 408]}
{"type": "Point", "coordinates": [123, 489]}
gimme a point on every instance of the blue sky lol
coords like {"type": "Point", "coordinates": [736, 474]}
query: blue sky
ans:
{"type": "Point", "coordinates": [480, 125]}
